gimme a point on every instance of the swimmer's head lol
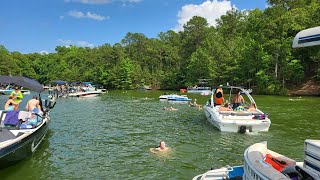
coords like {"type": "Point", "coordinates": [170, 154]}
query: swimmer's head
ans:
{"type": "Point", "coordinates": [162, 144]}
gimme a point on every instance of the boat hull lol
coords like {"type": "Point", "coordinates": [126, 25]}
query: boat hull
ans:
{"type": "Point", "coordinates": [25, 147]}
{"type": "Point", "coordinates": [234, 124]}
{"type": "Point", "coordinates": [85, 94]}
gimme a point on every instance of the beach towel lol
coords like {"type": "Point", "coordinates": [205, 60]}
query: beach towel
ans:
{"type": "Point", "coordinates": [11, 118]}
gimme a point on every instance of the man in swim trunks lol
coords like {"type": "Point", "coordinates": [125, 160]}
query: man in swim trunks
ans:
{"type": "Point", "coordinates": [33, 105]}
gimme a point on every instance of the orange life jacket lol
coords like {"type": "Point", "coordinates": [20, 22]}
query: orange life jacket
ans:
{"type": "Point", "coordinates": [275, 163]}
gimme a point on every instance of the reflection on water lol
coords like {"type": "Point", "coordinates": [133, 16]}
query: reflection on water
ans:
{"type": "Point", "coordinates": [109, 137]}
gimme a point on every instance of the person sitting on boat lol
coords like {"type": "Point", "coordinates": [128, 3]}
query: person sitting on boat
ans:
{"type": "Point", "coordinates": [218, 97]}
{"type": "Point", "coordinates": [237, 100]}
{"type": "Point", "coordinates": [10, 104]}
{"type": "Point", "coordinates": [162, 147]}
{"type": "Point", "coordinates": [17, 96]}
{"type": "Point", "coordinates": [33, 105]}
{"type": "Point", "coordinates": [225, 107]}
{"type": "Point", "coordinates": [252, 107]}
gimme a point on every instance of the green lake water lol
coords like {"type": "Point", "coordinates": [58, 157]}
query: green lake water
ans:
{"type": "Point", "coordinates": [109, 137]}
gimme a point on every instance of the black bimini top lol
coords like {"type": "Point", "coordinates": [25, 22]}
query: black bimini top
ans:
{"type": "Point", "coordinates": [26, 82]}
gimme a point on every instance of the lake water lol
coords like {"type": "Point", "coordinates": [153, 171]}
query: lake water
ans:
{"type": "Point", "coordinates": [109, 137]}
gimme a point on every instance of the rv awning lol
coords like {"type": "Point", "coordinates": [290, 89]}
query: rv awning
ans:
{"type": "Point", "coordinates": [26, 82]}
{"type": "Point", "coordinates": [307, 37]}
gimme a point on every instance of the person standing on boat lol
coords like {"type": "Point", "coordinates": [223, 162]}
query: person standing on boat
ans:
{"type": "Point", "coordinates": [17, 96]}
{"type": "Point", "coordinates": [218, 97]}
{"type": "Point", "coordinates": [33, 105]}
{"type": "Point", "coordinates": [237, 100]}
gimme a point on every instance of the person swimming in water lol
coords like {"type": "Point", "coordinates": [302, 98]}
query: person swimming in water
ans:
{"type": "Point", "coordinates": [162, 147]}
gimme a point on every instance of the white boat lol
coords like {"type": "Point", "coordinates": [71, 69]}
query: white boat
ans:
{"type": "Point", "coordinates": [9, 89]}
{"type": "Point", "coordinates": [201, 88]}
{"type": "Point", "coordinates": [236, 121]}
{"type": "Point", "coordinates": [262, 163]}
{"type": "Point", "coordinates": [174, 97]}
{"type": "Point", "coordinates": [89, 91]}
{"type": "Point", "coordinates": [227, 172]}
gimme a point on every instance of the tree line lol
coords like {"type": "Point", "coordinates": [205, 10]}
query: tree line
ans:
{"type": "Point", "coordinates": [250, 48]}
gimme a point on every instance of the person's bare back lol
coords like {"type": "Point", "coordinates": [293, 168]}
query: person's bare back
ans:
{"type": "Point", "coordinates": [33, 103]}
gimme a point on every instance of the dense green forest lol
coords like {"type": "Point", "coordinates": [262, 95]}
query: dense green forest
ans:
{"type": "Point", "coordinates": [250, 48]}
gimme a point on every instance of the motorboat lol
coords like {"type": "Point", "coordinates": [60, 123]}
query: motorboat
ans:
{"type": "Point", "coordinates": [174, 97]}
{"type": "Point", "coordinates": [201, 88]}
{"type": "Point", "coordinates": [88, 93]}
{"type": "Point", "coordinates": [227, 172]}
{"type": "Point", "coordinates": [21, 132]}
{"type": "Point", "coordinates": [7, 90]}
{"type": "Point", "coordinates": [233, 119]}
{"type": "Point", "coordinates": [262, 163]}
{"type": "Point", "coordinates": [88, 90]}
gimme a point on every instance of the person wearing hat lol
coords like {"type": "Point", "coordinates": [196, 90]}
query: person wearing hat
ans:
{"type": "Point", "coordinates": [17, 96]}
{"type": "Point", "coordinates": [218, 97]}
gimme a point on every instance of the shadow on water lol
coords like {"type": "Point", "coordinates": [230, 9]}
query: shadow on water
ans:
{"type": "Point", "coordinates": [109, 137]}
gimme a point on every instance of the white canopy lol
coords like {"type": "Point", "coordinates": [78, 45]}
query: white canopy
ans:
{"type": "Point", "coordinates": [307, 37]}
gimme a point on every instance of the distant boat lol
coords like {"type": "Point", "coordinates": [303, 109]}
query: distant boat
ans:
{"type": "Point", "coordinates": [175, 97]}
{"type": "Point", "coordinates": [144, 88]}
{"type": "Point", "coordinates": [201, 88]}
{"type": "Point", "coordinates": [9, 89]}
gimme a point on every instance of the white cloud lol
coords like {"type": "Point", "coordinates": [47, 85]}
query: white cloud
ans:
{"type": "Point", "coordinates": [61, 17]}
{"type": "Point", "coordinates": [89, 15]}
{"type": "Point", "coordinates": [44, 52]}
{"type": "Point", "coordinates": [210, 10]}
{"type": "Point", "coordinates": [68, 43]}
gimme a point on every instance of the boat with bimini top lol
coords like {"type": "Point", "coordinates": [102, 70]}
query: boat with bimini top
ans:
{"type": "Point", "coordinates": [238, 114]}
{"type": "Point", "coordinates": [21, 132]}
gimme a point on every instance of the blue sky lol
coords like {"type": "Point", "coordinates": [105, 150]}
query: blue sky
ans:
{"type": "Point", "coordinates": [40, 25]}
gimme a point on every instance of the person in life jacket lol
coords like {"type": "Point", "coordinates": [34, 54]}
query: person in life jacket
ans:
{"type": "Point", "coordinates": [218, 97]}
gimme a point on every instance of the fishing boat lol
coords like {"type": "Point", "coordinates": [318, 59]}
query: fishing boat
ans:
{"type": "Point", "coordinates": [232, 119]}
{"type": "Point", "coordinates": [21, 132]}
{"type": "Point", "coordinates": [227, 172]}
{"type": "Point", "coordinates": [201, 88]}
